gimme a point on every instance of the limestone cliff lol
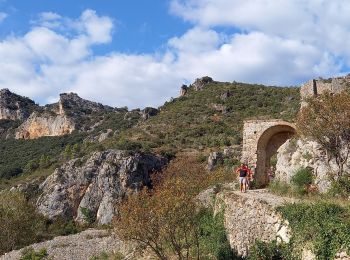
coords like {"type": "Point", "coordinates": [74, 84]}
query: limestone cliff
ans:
{"type": "Point", "coordinates": [45, 124]}
{"type": "Point", "coordinates": [295, 154]}
{"type": "Point", "coordinates": [15, 107]}
{"type": "Point", "coordinates": [96, 184]}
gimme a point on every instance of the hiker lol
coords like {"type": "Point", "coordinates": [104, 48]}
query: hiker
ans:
{"type": "Point", "coordinates": [242, 171]}
{"type": "Point", "coordinates": [271, 173]}
{"type": "Point", "coordinates": [250, 178]}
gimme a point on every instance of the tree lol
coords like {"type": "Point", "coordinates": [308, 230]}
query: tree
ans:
{"type": "Point", "coordinates": [166, 218]}
{"type": "Point", "coordinates": [326, 120]}
{"type": "Point", "coordinates": [20, 225]}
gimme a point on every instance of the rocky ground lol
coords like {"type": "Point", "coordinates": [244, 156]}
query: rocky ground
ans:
{"type": "Point", "coordinates": [81, 246]}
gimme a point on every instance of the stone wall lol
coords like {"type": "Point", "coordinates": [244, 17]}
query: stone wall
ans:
{"type": "Point", "coordinates": [261, 139]}
{"type": "Point", "coordinates": [316, 87]}
{"type": "Point", "coordinates": [251, 216]}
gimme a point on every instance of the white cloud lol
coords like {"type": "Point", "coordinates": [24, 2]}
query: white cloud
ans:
{"type": "Point", "coordinates": [275, 44]}
{"type": "Point", "coordinates": [3, 16]}
{"type": "Point", "coordinates": [324, 24]}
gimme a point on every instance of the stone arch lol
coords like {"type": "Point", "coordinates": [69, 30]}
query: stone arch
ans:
{"type": "Point", "coordinates": [261, 140]}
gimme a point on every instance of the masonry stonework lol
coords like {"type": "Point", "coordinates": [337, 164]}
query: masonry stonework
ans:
{"type": "Point", "coordinates": [261, 140]}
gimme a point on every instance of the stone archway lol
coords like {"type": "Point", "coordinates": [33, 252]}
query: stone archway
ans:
{"type": "Point", "coordinates": [261, 140]}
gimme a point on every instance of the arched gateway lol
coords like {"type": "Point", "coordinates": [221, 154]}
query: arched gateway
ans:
{"type": "Point", "coordinates": [261, 140]}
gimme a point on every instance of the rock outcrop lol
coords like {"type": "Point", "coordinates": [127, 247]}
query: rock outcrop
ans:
{"type": "Point", "coordinates": [73, 105]}
{"type": "Point", "coordinates": [149, 112]}
{"type": "Point", "coordinates": [96, 184]}
{"type": "Point", "coordinates": [201, 82]}
{"type": "Point", "coordinates": [45, 124]}
{"type": "Point", "coordinates": [183, 90]}
{"type": "Point", "coordinates": [15, 107]}
{"type": "Point", "coordinates": [295, 154]}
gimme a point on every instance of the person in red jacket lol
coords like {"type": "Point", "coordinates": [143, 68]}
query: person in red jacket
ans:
{"type": "Point", "coordinates": [242, 172]}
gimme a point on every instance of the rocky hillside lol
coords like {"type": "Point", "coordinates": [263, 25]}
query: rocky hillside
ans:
{"type": "Point", "coordinates": [95, 185]}
{"type": "Point", "coordinates": [208, 114]}
{"type": "Point", "coordinates": [15, 107]}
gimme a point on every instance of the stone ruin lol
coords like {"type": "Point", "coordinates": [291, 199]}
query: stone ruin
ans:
{"type": "Point", "coordinates": [319, 86]}
{"type": "Point", "coordinates": [261, 140]}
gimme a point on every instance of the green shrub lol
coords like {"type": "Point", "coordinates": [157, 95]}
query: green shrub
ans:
{"type": "Point", "coordinates": [271, 251]}
{"type": "Point", "coordinates": [325, 226]}
{"type": "Point", "coordinates": [213, 237]}
{"type": "Point", "coordinates": [31, 254]}
{"type": "Point", "coordinates": [341, 187]}
{"type": "Point", "coordinates": [302, 179]}
{"type": "Point", "coordinates": [279, 187]}
{"type": "Point", "coordinates": [89, 216]}
{"type": "Point", "coordinates": [20, 225]}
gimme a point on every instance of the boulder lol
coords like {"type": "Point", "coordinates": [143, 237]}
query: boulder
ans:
{"type": "Point", "coordinates": [96, 184]}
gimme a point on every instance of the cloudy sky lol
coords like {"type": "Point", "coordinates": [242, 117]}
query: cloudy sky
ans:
{"type": "Point", "coordinates": [137, 53]}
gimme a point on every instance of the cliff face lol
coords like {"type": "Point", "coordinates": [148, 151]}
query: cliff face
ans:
{"type": "Point", "coordinates": [295, 154]}
{"type": "Point", "coordinates": [45, 125]}
{"type": "Point", "coordinates": [15, 107]}
{"type": "Point", "coordinates": [96, 185]}
{"type": "Point", "coordinates": [73, 105]}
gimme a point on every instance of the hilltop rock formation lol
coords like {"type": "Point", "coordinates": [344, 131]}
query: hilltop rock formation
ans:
{"type": "Point", "coordinates": [201, 82]}
{"type": "Point", "coordinates": [149, 112]}
{"type": "Point", "coordinates": [72, 105]}
{"type": "Point", "coordinates": [46, 124]}
{"type": "Point", "coordinates": [15, 107]}
{"type": "Point", "coordinates": [96, 184]}
{"type": "Point", "coordinates": [183, 90]}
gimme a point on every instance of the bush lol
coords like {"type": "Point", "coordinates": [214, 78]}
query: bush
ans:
{"type": "Point", "coordinates": [325, 226]}
{"type": "Point", "coordinates": [20, 225]}
{"type": "Point", "coordinates": [279, 187]}
{"type": "Point", "coordinates": [271, 251]}
{"type": "Point", "coordinates": [213, 236]}
{"type": "Point", "coordinates": [89, 216]}
{"type": "Point", "coordinates": [31, 254]}
{"type": "Point", "coordinates": [341, 187]}
{"type": "Point", "coordinates": [302, 179]}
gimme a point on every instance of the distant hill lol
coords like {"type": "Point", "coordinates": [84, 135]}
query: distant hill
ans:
{"type": "Point", "coordinates": [209, 115]}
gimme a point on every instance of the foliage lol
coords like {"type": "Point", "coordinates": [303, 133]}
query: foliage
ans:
{"type": "Point", "coordinates": [302, 179]}
{"type": "Point", "coordinates": [18, 156]}
{"type": "Point", "coordinates": [89, 216]}
{"type": "Point", "coordinates": [279, 187]}
{"type": "Point", "coordinates": [20, 225]}
{"type": "Point", "coordinates": [31, 254]}
{"type": "Point", "coordinates": [326, 120]}
{"type": "Point", "coordinates": [213, 239]}
{"type": "Point", "coordinates": [106, 256]}
{"type": "Point", "coordinates": [165, 218]}
{"type": "Point", "coordinates": [325, 225]}
{"type": "Point", "coordinates": [341, 187]}
{"type": "Point", "coordinates": [271, 251]}
{"type": "Point", "coordinates": [192, 121]}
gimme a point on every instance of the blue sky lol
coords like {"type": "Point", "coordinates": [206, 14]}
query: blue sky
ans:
{"type": "Point", "coordinates": [137, 53]}
{"type": "Point", "coordinates": [141, 25]}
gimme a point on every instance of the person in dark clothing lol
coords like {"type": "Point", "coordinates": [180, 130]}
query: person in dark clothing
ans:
{"type": "Point", "coordinates": [242, 171]}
